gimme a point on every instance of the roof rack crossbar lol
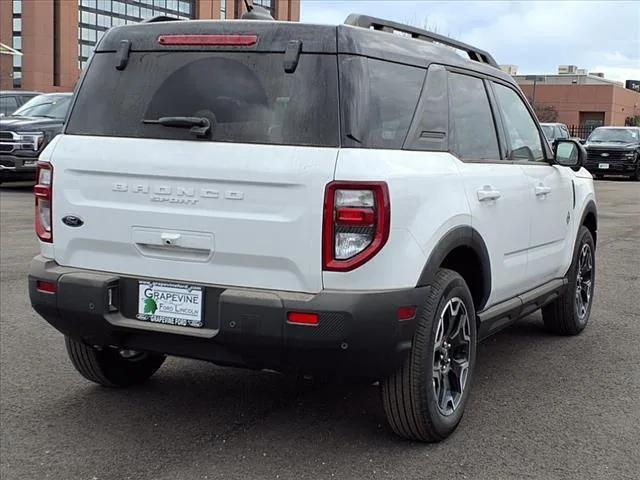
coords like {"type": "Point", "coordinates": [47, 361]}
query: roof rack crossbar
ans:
{"type": "Point", "coordinates": [365, 21]}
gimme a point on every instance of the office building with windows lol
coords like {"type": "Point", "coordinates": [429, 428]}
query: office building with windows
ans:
{"type": "Point", "coordinates": [51, 40]}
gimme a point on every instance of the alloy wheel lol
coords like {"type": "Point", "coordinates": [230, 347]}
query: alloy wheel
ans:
{"type": "Point", "coordinates": [452, 347]}
{"type": "Point", "coordinates": [584, 281]}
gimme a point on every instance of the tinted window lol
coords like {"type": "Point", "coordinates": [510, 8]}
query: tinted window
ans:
{"type": "Point", "coordinates": [8, 105]}
{"type": "Point", "coordinates": [379, 99]}
{"type": "Point", "coordinates": [471, 119]}
{"type": "Point", "coordinates": [519, 125]}
{"type": "Point", "coordinates": [247, 97]}
{"type": "Point", "coordinates": [48, 106]}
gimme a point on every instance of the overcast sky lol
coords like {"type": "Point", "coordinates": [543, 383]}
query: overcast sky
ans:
{"type": "Point", "coordinates": [601, 36]}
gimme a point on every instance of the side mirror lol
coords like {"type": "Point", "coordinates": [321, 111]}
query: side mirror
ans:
{"type": "Point", "coordinates": [569, 153]}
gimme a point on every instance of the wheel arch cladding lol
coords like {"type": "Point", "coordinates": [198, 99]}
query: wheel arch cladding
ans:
{"type": "Point", "coordinates": [463, 250]}
{"type": "Point", "coordinates": [590, 220]}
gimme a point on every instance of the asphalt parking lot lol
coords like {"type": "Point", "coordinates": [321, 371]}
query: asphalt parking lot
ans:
{"type": "Point", "coordinates": [542, 407]}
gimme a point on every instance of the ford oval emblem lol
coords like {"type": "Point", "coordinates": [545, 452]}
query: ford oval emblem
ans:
{"type": "Point", "coordinates": [72, 221]}
{"type": "Point", "coordinates": [605, 154]}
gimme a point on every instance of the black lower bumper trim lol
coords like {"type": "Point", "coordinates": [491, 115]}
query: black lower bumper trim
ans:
{"type": "Point", "coordinates": [358, 333]}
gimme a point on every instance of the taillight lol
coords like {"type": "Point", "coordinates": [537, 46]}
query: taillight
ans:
{"type": "Point", "coordinates": [209, 40]}
{"type": "Point", "coordinates": [42, 192]}
{"type": "Point", "coordinates": [357, 217]}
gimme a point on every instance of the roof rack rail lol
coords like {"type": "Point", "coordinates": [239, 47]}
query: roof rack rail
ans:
{"type": "Point", "coordinates": [161, 18]}
{"type": "Point", "coordinates": [365, 21]}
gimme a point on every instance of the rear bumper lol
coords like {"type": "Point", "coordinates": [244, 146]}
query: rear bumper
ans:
{"type": "Point", "coordinates": [358, 333]}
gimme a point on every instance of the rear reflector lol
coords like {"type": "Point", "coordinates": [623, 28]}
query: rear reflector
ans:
{"type": "Point", "coordinates": [204, 40]}
{"type": "Point", "coordinates": [301, 318]}
{"type": "Point", "coordinates": [46, 287]}
{"type": "Point", "coordinates": [406, 313]}
{"type": "Point", "coordinates": [358, 217]}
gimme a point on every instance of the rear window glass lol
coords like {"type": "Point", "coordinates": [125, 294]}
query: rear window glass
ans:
{"type": "Point", "coordinates": [379, 100]}
{"type": "Point", "coordinates": [247, 97]}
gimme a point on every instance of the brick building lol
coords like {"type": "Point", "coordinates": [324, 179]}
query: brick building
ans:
{"type": "Point", "coordinates": [582, 99]}
{"type": "Point", "coordinates": [56, 37]}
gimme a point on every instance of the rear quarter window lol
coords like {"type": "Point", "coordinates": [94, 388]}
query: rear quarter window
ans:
{"type": "Point", "coordinates": [378, 101]}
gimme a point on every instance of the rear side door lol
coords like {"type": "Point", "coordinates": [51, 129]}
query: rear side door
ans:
{"type": "Point", "coordinates": [496, 190]}
{"type": "Point", "coordinates": [549, 188]}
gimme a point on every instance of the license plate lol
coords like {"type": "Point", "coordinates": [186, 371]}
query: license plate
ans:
{"type": "Point", "coordinates": [170, 303]}
{"type": "Point", "coordinates": [603, 166]}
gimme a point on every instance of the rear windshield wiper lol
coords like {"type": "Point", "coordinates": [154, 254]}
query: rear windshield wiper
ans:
{"type": "Point", "coordinates": [199, 126]}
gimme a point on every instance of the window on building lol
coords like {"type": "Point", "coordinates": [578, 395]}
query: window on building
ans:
{"type": "Point", "coordinates": [472, 122]}
{"type": "Point", "coordinates": [184, 7]}
{"type": "Point", "coordinates": [97, 16]}
{"type": "Point", "coordinates": [133, 11]}
{"type": "Point", "coordinates": [17, 42]}
{"type": "Point", "coordinates": [268, 4]}
{"type": "Point", "coordinates": [17, 79]}
{"type": "Point", "coordinates": [119, 8]}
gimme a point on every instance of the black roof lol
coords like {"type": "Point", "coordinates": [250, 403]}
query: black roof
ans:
{"type": "Point", "coordinates": [416, 47]}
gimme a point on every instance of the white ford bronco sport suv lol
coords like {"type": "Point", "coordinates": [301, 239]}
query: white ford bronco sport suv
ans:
{"type": "Point", "coordinates": [357, 200]}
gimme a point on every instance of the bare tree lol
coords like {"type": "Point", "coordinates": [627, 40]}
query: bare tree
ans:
{"type": "Point", "coordinates": [546, 113]}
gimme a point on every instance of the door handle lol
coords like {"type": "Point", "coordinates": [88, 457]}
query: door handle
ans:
{"type": "Point", "coordinates": [487, 193]}
{"type": "Point", "coordinates": [542, 190]}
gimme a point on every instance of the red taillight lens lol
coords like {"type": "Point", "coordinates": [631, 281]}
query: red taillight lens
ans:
{"type": "Point", "coordinates": [357, 218]}
{"type": "Point", "coordinates": [209, 40]}
{"type": "Point", "coordinates": [46, 287]}
{"type": "Point", "coordinates": [42, 192]}
{"type": "Point", "coordinates": [302, 318]}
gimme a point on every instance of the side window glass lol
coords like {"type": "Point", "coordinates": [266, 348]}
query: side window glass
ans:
{"type": "Point", "coordinates": [378, 101]}
{"type": "Point", "coordinates": [472, 122]}
{"type": "Point", "coordinates": [519, 126]}
{"type": "Point", "coordinates": [8, 105]}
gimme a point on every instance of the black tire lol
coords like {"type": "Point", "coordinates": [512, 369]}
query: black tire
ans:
{"type": "Point", "coordinates": [409, 395]}
{"type": "Point", "coordinates": [636, 176]}
{"type": "Point", "coordinates": [569, 314]}
{"type": "Point", "coordinates": [107, 367]}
